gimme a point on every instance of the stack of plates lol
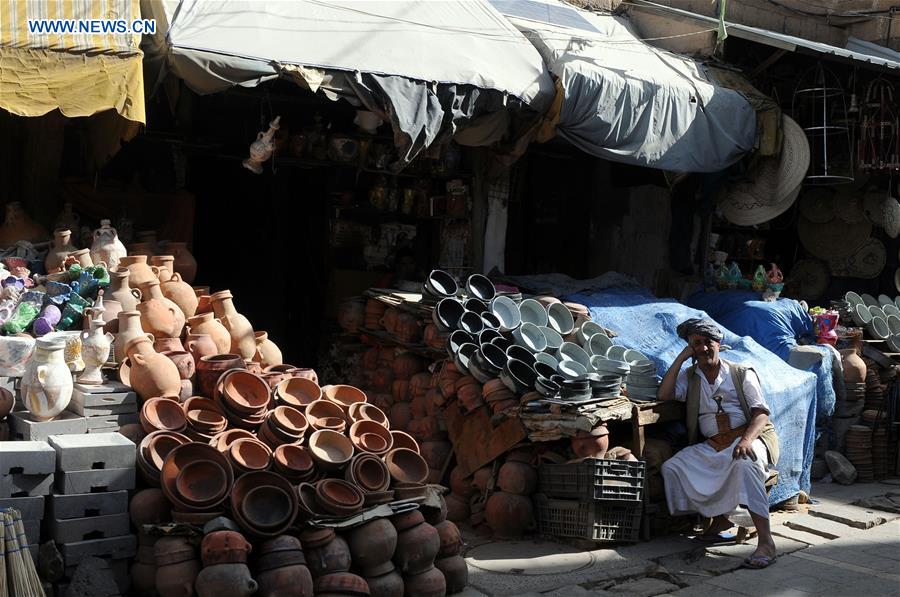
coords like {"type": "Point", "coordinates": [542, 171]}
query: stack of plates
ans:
{"type": "Point", "coordinates": [641, 383]}
{"type": "Point", "coordinates": [575, 390]}
{"type": "Point", "coordinates": [859, 452]}
{"type": "Point", "coordinates": [854, 391]}
{"type": "Point", "coordinates": [605, 386]}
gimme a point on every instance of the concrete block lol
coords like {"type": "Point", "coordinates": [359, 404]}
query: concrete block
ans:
{"type": "Point", "coordinates": [27, 457]}
{"type": "Point", "coordinates": [111, 421]}
{"type": "Point", "coordinates": [32, 532]}
{"type": "Point", "coordinates": [82, 505]}
{"type": "Point", "coordinates": [818, 526]}
{"type": "Point", "coordinates": [93, 527]}
{"type": "Point", "coordinates": [93, 451]}
{"type": "Point", "coordinates": [31, 508]}
{"type": "Point", "coordinates": [25, 427]}
{"type": "Point", "coordinates": [95, 481]}
{"type": "Point", "coordinates": [117, 548]}
{"type": "Point", "coordinates": [105, 410]}
{"type": "Point", "coordinates": [854, 516]}
{"type": "Point", "coordinates": [25, 485]}
{"type": "Point", "coordinates": [108, 393]}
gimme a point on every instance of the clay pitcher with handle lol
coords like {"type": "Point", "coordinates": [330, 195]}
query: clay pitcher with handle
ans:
{"type": "Point", "coordinates": [159, 315]}
{"type": "Point", "coordinates": [243, 341]}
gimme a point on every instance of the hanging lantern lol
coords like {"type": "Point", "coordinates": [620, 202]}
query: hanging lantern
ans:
{"type": "Point", "coordinates": [820, 108]}
{"type": "Point", "coordinates": [879, 134]}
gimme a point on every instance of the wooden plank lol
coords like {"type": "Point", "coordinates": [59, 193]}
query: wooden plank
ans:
{"type": "Point", "coordinates": [475, 441]}
{"type": "Point", "coordinates": [649, 413]}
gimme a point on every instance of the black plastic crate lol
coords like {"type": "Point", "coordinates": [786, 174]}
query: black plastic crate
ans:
{"type": "Point", "coordinates": [593, 479]}
{"type": "Point", "coordinates": [594, 521]}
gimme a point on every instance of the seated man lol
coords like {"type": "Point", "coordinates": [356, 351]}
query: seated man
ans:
{"type": "Point", "coordinates": [724, 403]}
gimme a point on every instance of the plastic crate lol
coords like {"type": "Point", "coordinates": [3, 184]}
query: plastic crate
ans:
{"type": "Point", "coordinates": [595, 521]}
{"type": "Point", "coordinates": [593, 479]}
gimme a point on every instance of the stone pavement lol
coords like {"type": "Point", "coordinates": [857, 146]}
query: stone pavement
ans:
{"type": "Point", "coordinates": [833, 549]}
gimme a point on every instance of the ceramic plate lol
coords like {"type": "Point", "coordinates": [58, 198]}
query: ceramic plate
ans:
{"type": "Point", "coordinates": [863, 314]}
{"type": "Point", "coordinates": [894, 342]}
{"type": "Point", "coordinates": [893, 322]}
{"type": "Point", "coordinates": [891, 310]}
{"type": "Point", "coordinates": [879, 327]}
{"type": "Point", "coordinates": [876, 311]}
{"type": "Point", "coordinates": [634, 357]}
{"type": "Point", "coordinates": [869, 300]}
{"type": "Point", "coordinates": [616, 353]}
{"type": "Point", "coordinates": [884, 299]}
{"type": "Point", "coordinates": [853, 298]}
{"type": "Point", "coordinates": [598, 344]}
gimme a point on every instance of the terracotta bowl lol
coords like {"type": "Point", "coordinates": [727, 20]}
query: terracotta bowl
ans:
{"type": "Point", "coordinates": [293, 460]}
{"type": "Point", "coordinates": [267, 435]}
{"type": "Point", "coordinates": [200, 403]}
{"type": "Point", "coordinates": [250, 455]}
{"type": "Point", "coordinates": [245, 392]}
{"type": "Point", "coordinates": [306, 495]}
{"type": "Point", "coordinates": [334, 423]}
{"type": "Point", "coordinates": [369, 472]}
{"type": "Point", "coordinates": [360, 429]}
{"type": "Point", "coordinates": [339, 497]}
{"type": "Point", "coordinates": [267, 506]}
{"type": "Point", "coordinates": [201, 482]}
{"type": "Point", "coordinates": [222, 441]}
{"type": "Point", "coordinates": [359, 411]}
{"type": "Point", "coordinates": [298, 392]}
{"type": "Point", "coordinates": [152, 452]}
{"type": "Point", "coordinates": [408, 491]}
{"type": "Point", "coordinates": [322, 409]}
{"type": "Point", "coordinates": [255, 480]}
{"type": "Point", "coordinates": [290, 420]}
{"type": "Point", "coordinates": [406, 466]}
{"type": "Point", "coordinates": [181, 457]}
{"type": "Point", "coordinates": [404, 440]}
{"type": "Point", "coordinates": [162, 414]}
{"type": "Point", "coordinates": [344, 395]}
{"type": "Point", "coordinates": [207, 420]}
{"type": "Point", "coordinates": [373, 498]}
{"type": "Point", "coordinates": [330, 449]}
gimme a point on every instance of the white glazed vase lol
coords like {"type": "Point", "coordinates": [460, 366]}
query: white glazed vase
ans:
{"type": "Point", "coordinates": [47, 383]}
{"type": "Point", "coordinates": [95, 352]}
{"type": "Point", "coordinates": [107, 248]}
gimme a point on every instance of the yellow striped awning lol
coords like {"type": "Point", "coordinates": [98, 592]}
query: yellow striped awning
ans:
{"type": "Point", "coordinates": [78, 72]}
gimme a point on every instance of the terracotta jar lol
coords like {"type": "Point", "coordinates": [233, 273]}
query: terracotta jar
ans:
{"type": "Point", "coordinates": [208, 324]}
{"type": "Point", "coordinates": [185, 264]}
{"type": "Point", "coordinates": [129, 329]}
{"type": "Point", "coordinates": [17, 225]}
{"type": "Point", "coordinates": [59, 250]}
{"type": "Point", "coordinates": [111, 316]}
{"type": "Point", "coordinates": [46, 386]}
{"type": "Point", "coordinates": [326, 556]}
{"type": "Point", "coordinates": [159, 315]}
{"type": "Point", "coordinates": [83, 257]}
{"type": "Point", "coordinates": [177, 567]}
{"type": "Point", "coordinates": [183, 360]}
{"type": "Point", "coordinates": [179, 292]}
{"type": "Point", "coordinates": [106, 247]}
{"type": "Point", "coordinates": [164, 267]}
{"type": "Point", "coordinates": [224, 547]}
{"type": "Point", "coordinates": [509, 515]}
{"type": "Point", "coordinates": [285, 581]}
{"type": "Point", "coordinates": [95, 345]}
{"type": "Point", "coordinates": [200, 345]}
{"type": "Point", "coordinates": [225, 579]}
{"type": "Point", "coordinates": [451, 540]}
{"type": "Point", "coordinates": [854, 366]}
{"type": "Point", "coordinates": [141, 273]}
{"type": "Point", "coordinates": [210, 368]}
{"type": "Point", "coordinates": [151, 374]}
{"type": "Point", "coordinates": [162, 345]}
{"type": "Point", "coordinates": [372, 545]}
{"type": "Point", "coordinates": [121, 291]}
{"type": "Point", "coordinates": [149, 506]}
{"type": "Point", "coordinates": [456, 573]}
{"type": "Point", "coordinates": [429, 583]}
{"type": "Point", "coordinates": [243, 341]}
{"type": "Point", "coordinates": [457, 508]}
{"type": "Point", "coordinates": [386, 585]}
{"type": "Point", "coordinates": [517, 477]}
{"type": "Point", "coordinates": [417, 543]}
{"type": "Point", "coordinates": [267, 352]}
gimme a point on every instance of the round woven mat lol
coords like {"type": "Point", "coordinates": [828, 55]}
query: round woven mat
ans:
{"type": "Point", "coordinates": [817, 204]}
{"type": "Point", "coordinates": [809, 278]}
{"type": "Point", "coordinates": [866, 262]}
{"type": "Point", "coordinates": [834, 239]}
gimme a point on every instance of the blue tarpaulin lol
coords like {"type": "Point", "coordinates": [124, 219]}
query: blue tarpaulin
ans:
{"type": "Point", "coordinates": [647, 324]}
{"type": "Point", "coordinates": [775, 325]}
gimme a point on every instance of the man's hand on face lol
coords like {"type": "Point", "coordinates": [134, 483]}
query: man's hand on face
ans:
{"type": "Point", "coordinates": [744, 449]}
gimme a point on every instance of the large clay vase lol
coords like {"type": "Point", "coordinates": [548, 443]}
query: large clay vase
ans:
{"type": "Point", "coordinates": [164, 266]}
{"type": "Point", "coordinates": [111, 316]}
{"type": "Point", "coordinates": [159, 315]}
{"type": "Point", "coordinates": [328, 556]}
{"type": "Point", "coordinates": [95, 344]}
{"type": "Point", "coordinates": [179, 292]}
{"type": "Point", "coordinates": [129, 329]}
{"type": "Point", "coordinates": [267, 352]}
{"type": "Point", "coordinates": [372, 545]}
{"type": "Point", "coordinates": [509, 515]}
{"type": "Point", "coordinates": [106, 246]}
{"type": "Point", "coordinates": [417, 543]}
{"type": "Point", "coordinates": [151, 374]}
{"type": "Point", "coordinates": [210, 368]}
{"type": "Point", "coordinates": [209, 325]}
{"type": "Point", "coordinates": [17, 225]}
{"type": "Point", "coordinates": [285, 581]}
{"type": "Point", "coordinates": [141, 273]}
{"type": "Point", "coordinates": [456, 573]}
{"type": "Point", "coordinates": [517, 477]}
{"type": "Point", "coordinates": [225, 579]}
{"type": "Point", "coordinates": [854, 366]}
{"type": "Point", "coordinates": [429, 583]}
{"type": "Point", "coordinates": [386, 585]}
{"type": "Point", "coordinates": [243, 341]}
{"type": "Point", "coordinates": [177, 567]}
{"type": "Point", "coordinates": [46, 387]}
{"type": "Point", "coordinates": [59, 250]}
{"type": "Point", "coordinates": [200, 345]}
{"type": "Point", "coordinates": [185, 264]}
{"type": "Point", "coordinates": [120, 290]}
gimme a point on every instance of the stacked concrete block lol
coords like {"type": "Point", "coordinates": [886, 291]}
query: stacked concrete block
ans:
{"type": "Point", "coordinates": [23, 425]}
{"type": "Point", "coordinates": [26, 476]}
{"type": "Point", "coordinates": [88, 513]}
{"type": "Point", "coordinates": [105, 407]}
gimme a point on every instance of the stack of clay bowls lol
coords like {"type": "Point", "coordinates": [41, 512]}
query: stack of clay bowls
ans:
{"type": "Point", "coordinates": [294, 463]}
{"type": "Point", "coordinates": [264, 503]}
{"type": "Point", "coordinates": [859, 451]}
{"type": "Point", "coordinates": [244, 398]}
{"type": "Point", "coordinates": [196, 478]}
{"type": "Point", "coordinates": [297, 392]}
{"type": "Point", "coordinates": [205, 418]}
{"type": "Point", "coordinates": [249, 455]}
{"type": "Point", "coordinates": [283, 425]}
{"type": "Point", "coordinates": [162, 414]}
{"type": "Point", "coordinates": [152, 452]}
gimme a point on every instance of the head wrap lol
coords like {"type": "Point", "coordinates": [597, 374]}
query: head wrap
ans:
{"type": "Point", "coordinates": [700, 327]}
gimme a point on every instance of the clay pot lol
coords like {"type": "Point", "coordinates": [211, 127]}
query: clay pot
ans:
{"type": "Point", "coordinates": [175, 579]}
{"type": "Point", "coordinates": [179, 292]}
{"type": "Point", "coordinates": [183, 361]}
{"type": "Point", "coordinates": [344, 395]}
{"type": "Point", "coordinates": [328, 558]}
{"type": "Point", "coordinates": [854, 366]}
{"type": "Point", "coordinates": [517, 477]}
{"type": "Point", "coordinates": [386, 585]}
{"type": "Point", "coordinates": [253, 367]}
{"type": "Point", "coordinates": [369, 436]}
{"type": "Point", "coordinates": [369, 472]}
{"type": "Point", "coordinates": [172, 550]}
{"type": "Point", "coordinates": [456, 573]}
{"type": "Point", "coordinates": [120, 290]}
{"type": "Point", "coordinates": [201, 483]}
{"type": "Point", "coordinates": [457, 508]}
{"type": "Point", "coordinates": [225, 579]}
{"type": "Point", "coordinates": [159, 316]}
{"type": "Point", "coordinates": [404, 440]}
{"type": "Point", "coordinates": [162, 414]}
{"type": "Point", "coordinates": [7, 402]}
{"type": "Point", "coordinates": [286, 581]}
{"type": "Point", "coordinates": [417, 543]}
{"type": "Point", "coordinates": [459, 483]}
{"type": "Point", "coordinates": [206, 482]}
{"type": "Point", "coordinates": [339, 497]}
{"type": "Point", "coordinates": [509, 515]}
{"type": "Point", "coordinates": [406, 466]}
{"type": "Point", "coordinates": [293, 462]}
{"type": "Point", "coordinates": [224, 547]}
{"type": "Point", "coordinates": [588, 446]}
{"type": "Point", "coordinates": [429, 583]}
{"type": "Point", "coordinates": [162, 345]}
{"type": "Point", "coordinates": [267, 352]}
{"type": "Point", "coordinates": [129, 328]}
{"type": "Point", "coordinates": [243, 341]}
{"type": "Point", "coordinates": [184, 264]}
{"type": "Point", "coordinates": [150, 374]}
{"type": "Point", "coordinates": [305, 373]}
{"type": "Point", "coordinates": [143, 577]}
{"type": "Point", "coordinates": [250, 455]}
{"type": "Point", "coordinates": [341, 583]}
{"type": "Point", "coordinates": [298, 392]}
{"type": "Point", "coordinates": [223, 441]}
{"type": "Point", "coordinates": [17, 226]}
{"type": "Point", "coordinates": [245, 393]}
{"type": "Point", "coordinates": [372, 545]}
{"type": "Point", "coordinates": [200, 345]}
{"type": "Point", "coordinates": [210, 368]}
{"type": "Point", "coordinates": [400, 416]}
{"type": "Point", "coordinates": [361, 411]}
{"type": "Point", "coordinates": [163, 264]}
{"type": "Point", "coordinates": [140, 272]}
{"type": "Point", "coordinates": [451, 539]}
{"type": "Point", "coordinates": [149, 506]}
{"type": "Point", "coordinates": [268, 507]}
{"type": "Point", "coordinates": [206, 323]}
{"type": "Point", "coordinates": [59, 250]}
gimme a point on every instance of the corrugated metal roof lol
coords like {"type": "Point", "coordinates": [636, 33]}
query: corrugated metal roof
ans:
{"type": "Point", "coordinates": [778, 40]}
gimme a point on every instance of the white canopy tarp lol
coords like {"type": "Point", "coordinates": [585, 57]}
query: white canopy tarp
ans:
{"type": "Point", "coordinates": [628, 101]}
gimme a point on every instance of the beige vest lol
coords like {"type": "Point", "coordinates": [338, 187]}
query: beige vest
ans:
{"type": "Point", "coordinates": [692, 406]}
